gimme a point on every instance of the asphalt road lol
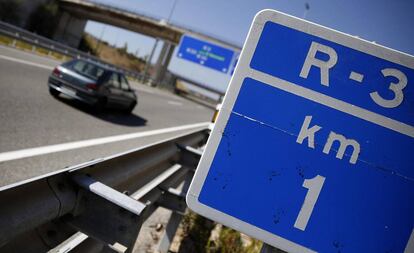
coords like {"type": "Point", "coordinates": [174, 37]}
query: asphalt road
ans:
{"type": "Point", "coordinates": [33, 121]}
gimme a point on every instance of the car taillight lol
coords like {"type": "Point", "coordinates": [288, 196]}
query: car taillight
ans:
{"type": "Point", "coordinates": [56, 72]}
{"type": "Point", "coordinates": [92, 86]}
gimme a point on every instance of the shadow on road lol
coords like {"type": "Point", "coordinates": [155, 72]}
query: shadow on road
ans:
{"type": "Point", "coordinates": [108, 114]}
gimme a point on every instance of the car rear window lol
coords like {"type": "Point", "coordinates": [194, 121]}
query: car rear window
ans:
{"type": "Point", "coordinates": [88, 69]}
{"type": "Point", "coordinates": [124, 82]}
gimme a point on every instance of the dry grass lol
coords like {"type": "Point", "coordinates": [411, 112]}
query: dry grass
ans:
{"type": "Point", "coordinates": [198, 234]}
{"type": "Point", "coordinates": [115, 56]}
{"type": "Point", "coordinates": [5, 40]}
{"type": "Point", "coordinates": [105, 52]}
{"type": "Point", "coordinates": [28, 47]}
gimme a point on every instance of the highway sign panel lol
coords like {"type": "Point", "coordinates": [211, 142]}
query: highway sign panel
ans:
{"type": "Point", "coordinates": [205, 53]}
{"type": "Point", "coordinates": [312, 149]}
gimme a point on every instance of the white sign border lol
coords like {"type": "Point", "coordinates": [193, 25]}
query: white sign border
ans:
{"type": "Point", "coordinates": [243, 71]}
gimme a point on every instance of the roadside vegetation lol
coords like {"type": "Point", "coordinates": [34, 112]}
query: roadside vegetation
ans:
{"type": "Point", "coordinates": [116, 55]}
{"type": "Point", "coordinates": [44, 19]}
{"type": "Point", "coordinates": [10, 11]}
{"type": "Point", "coordinates": [201, 235]}
{"type": "Point", "coordinates": [7, 41]}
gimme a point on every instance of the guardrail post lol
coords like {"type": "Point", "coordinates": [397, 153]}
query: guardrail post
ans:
{"type": "Point", "coordinates": [64, 55]}
{"type": "Point", "coordinates": [176, 201]}
{"type": "Point", "coordinates": [189, 156]}
{"type": "Point", "coordinates": [49, 52]}
{"type": "Point", "coordinates": [175, 219]}
{"type": "Point", "coordinates": [106, 214]}
{"type": "Point", "coordinates": [34, 46]}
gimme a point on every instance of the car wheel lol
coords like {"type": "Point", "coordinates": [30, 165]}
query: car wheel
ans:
{"type": "Point", "coordinates": [101, 105]}
{"type": "Point", "coordinates": [53, 92]}
{"type": "Point", "coordinates": [130, 108]}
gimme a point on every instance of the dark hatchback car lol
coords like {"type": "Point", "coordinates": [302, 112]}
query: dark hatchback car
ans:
{"type": "Point", "coordinates": [93, 84]}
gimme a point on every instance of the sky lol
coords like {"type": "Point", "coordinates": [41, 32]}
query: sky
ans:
{"type": "Point", "coordinates": [389, 23]}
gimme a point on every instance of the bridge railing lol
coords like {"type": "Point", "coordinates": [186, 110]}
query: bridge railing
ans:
{"type": "Point", "coordinates": [101, 205]}
{"type": "Point", "coordinates": [35, 40]}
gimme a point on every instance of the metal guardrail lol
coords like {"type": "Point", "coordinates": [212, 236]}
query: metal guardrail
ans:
{"type": "Point", "coordinates": [100, 206]}
{"type": "Point", "coordinates": [17, 33]}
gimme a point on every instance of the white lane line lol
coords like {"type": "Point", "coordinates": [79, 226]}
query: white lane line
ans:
{"type": "Point", "coordinates": [24, 153]}
{"type": "Point", "coordinates": [26, 62]}
{"type": "Point", "coordinates": [174, 103]}
{"type": "Point", "coordinates": [410, 245]}
{"type": "Point", "coordinates": [32, 55]}
{"type": "Point", "coordinates": [139, 88]}
{"type": "Point", "coordinates": [145, 90]}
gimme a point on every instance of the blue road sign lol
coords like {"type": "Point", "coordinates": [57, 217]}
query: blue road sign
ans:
{"type": "Point", "coordinates": [205, 53]}
{"type": "Point", "coordinates": [312, 149]}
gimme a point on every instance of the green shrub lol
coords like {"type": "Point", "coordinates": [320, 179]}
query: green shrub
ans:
{"type": "Point", "coordinates": [10, 11]}
{"type": "Point", "coordinates": [197, 230]}
{"type": "Point", "coordinates": [230, 241]}
{"type": "Point", "coordinates": [44, 19]}
{"type": "Point", "coordinates": [86, 46]}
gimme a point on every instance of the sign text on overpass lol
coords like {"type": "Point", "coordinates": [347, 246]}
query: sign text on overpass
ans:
{"type": "Point", "coordinates": [312, 150]}
{"type": "Point", "coordinates": [205, 53]}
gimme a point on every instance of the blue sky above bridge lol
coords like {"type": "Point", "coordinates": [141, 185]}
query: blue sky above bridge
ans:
{"type": "Point", "coordinates": [389, 23]}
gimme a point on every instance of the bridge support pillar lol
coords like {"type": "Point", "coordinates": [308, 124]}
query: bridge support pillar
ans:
{"type": "Point", "coordinates": [163, 62]}
{"type": "Point", "coordinates": [70, 29]}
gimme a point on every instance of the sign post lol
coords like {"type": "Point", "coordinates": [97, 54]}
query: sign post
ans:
{"type": "Point", "coordinates": [313, 147]}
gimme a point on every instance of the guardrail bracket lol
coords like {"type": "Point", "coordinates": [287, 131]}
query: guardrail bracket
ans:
{"type": "Point", "coordinates": [189, 156]}
{"type": "Point", "coordinates": [106, 214]}
{"type": "Point", "coordinates": [173, 199]}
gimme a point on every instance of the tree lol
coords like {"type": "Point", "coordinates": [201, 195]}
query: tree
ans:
{"type": "Point", "coordinates": [10, 11]}
{"type": "Point", "coordinates": [125, 48]}
{"type": "Point", "coordinates": [44, 19]}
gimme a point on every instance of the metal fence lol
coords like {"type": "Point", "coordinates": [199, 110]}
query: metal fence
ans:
{"type": "Point", "coordinates": [35, 40]}
{"type": "Point", "coordinates": [100, 206]}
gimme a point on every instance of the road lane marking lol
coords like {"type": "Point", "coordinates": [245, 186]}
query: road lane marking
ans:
{"type": "Point", "coordinates": [23, 53]}
{"type": "Point", "coordinates": [141, 89]}
{"type": "Point", "coordinates": [174, 103]}
{"type": "Point", "coordinates": [26, 62]}
{"type": "Point", "coordinates": [410, 245]}
{"type": "Point", "coordinates": [24, 153]}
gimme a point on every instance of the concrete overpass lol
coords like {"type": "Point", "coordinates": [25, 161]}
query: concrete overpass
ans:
{"type": "Point", "coordinates": [75, 14]}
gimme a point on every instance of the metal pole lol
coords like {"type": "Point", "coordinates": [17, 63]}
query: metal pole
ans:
{"type": "Point", "coordinates": [100, 39]}
{"type": "Point", "coordinates": [307, 7]}
{"type": "Point", "coordinates": [172, 11]}
{"type": "Point", "coordinates": [116, 37]}
{"type": "Point", "coordinates": [144, 78]}
{"type": "Point", "coordinates": [173, 223]}
{"type": "Point", "coordinates": [159, 66]}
